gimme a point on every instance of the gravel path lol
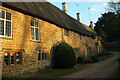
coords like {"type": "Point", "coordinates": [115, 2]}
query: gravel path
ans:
{"type": "Point", "coordinates": [104, 69]}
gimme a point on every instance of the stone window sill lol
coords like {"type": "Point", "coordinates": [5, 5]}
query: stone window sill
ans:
{"type": "Point", "coordinates": [36, 41]}
{"type": "Point", "coordinates": [11, 65]}
{"type": "Point", "coordinates": [4, 37]}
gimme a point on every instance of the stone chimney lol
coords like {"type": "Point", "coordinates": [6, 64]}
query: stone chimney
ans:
{"type": "Point", "coordinates": [78, 17]}
{"type": "Point", "coordinates": [64, 7]}
{"type": "Point", "coordinates": [91, 24]}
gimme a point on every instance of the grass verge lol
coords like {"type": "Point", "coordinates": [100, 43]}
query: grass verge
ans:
{"type": "Point", "coordinates": [52, 73]}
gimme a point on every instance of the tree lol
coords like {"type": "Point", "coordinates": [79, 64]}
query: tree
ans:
{"type": "Point", "coordinates": [108, 26]}
{"type": "Point", "coordinates": [114, 7]}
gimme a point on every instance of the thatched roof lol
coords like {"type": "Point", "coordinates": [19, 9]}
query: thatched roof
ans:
{"type": "Point", "coordinates": [89, 29]}
{"type": "Point", "coordinates": [48, 12]}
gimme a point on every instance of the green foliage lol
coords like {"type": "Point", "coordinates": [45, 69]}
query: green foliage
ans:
{"type": "Point", "coordinates": [26, 72]}
{"type": "Point", "coordinates": [108, 53]}
{"type": "Point", "coordinates": [80, 59]}
{"type": "Point", "coordinates": [51, 73]}
{"type": "Point", "coordinates": [112, 46]}
{"type": "Point", "coordinates": [87, 60]}
{"type": "Point", "coordinates": [114, 6]}
{"type": "Point", "coordinates": [108, 26]}
{"type": "Point", "coordinates": [100, 54]}
{"type": "Point", "coordinates": [103, 53]}
{"type": "Point", "coordinates": [44, 69]}
{"type": "Point", "coordinates": [63, 56]}
{"type": "Point", "coordinates": [94, 59]}
{"type": "Point", "coordinates": [4, 77]}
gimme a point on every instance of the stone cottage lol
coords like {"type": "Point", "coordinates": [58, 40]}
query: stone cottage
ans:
{"type": "Point", "coordinates": [28, 31]}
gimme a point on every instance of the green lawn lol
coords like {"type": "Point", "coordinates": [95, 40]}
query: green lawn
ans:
{"type": "Point", "coordinates": [51, 73]}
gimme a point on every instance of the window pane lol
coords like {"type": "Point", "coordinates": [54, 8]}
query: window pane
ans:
{"type": "Point", "coordinates": [32, 23]}
{"type": "Point", "coordinates": [80, 37]}
{"type": "Point", "coordinates": [8, 15]}
{"type": "Point", "coordinates": [42, 55]}
{"type": "Point", "coordinates": [45, 55]}
{"type": "Point", "coordinates": [66, 32]}
{"type": "Point", "coordinates": [8, 28]}
{"type": "Point", "coordinates": [12, 58]}
{"type": "Point", "coordinates": [32, 33]}
{"type": "Point", "coordinates": [1, 27]}
{"type": "Point", "coordinates": [17, 58]}
{"type": "Point", "coordinates": [77, 53]}
{"type": "Point", "coordinates": [37, 33]}
{"type": "Point", "coordinates": [6, 59]}
{"type": "Point", "coordinates": [2, 14]}
{"type": "Point", "coordinates": [39, 55]}
{"type": "Point", "coordinates": [36, 24]}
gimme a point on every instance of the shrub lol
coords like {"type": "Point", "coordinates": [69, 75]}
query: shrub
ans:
{"type": "Point", "coordinates": [87, 60]}
{"type": "Point", "coordinates": [26, 72]}
{"type": "Point", "coordinates": [94, 59]}
{"type": "Point", "coordinates": [80, 59]}
{"type": "Point", "coordinates": [108, 53]}
{"type": "Point", "coordinates": [100, 54]}
{"type": "Point", "coordinates": [103, 53]}
{"type": "Point", "coordinates": [63, 56]}
{"type": "Point", "coordinates": [44, 69]}
{"type": "Point", "coordinates": [4, 76]}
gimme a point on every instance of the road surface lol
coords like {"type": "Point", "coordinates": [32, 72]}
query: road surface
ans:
{"type": "Point", "coordinates": [103, 69]}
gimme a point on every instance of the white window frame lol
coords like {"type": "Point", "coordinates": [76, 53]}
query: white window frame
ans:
{"type": "Point", "coordinates": [34, 30]}
{"type": "Point", "coordinates": [5, 20]}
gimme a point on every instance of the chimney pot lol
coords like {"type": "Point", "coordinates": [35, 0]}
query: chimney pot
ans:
{"type": "Point", "coordinates": [78, 17]}
{"type": "Point", "coordinates": [64, 7]}
{"type": "Point", "coordinates": [91, 24]}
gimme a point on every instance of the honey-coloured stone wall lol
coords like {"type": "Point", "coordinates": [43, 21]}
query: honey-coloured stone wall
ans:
{"type": "Point", "coordinates": [49, 35]}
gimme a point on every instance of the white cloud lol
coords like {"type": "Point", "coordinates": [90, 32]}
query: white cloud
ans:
{"type": "Point", "coordinates": [105, 4]}
{"type": "Point", "coordinates": [97, 8]}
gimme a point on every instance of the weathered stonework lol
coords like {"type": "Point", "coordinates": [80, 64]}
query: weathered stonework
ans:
{"type": "Point", "coordinates": [50, 34]}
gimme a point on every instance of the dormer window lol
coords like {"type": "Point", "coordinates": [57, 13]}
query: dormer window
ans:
{"type": "Point", "coordinates": [5, 23]}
